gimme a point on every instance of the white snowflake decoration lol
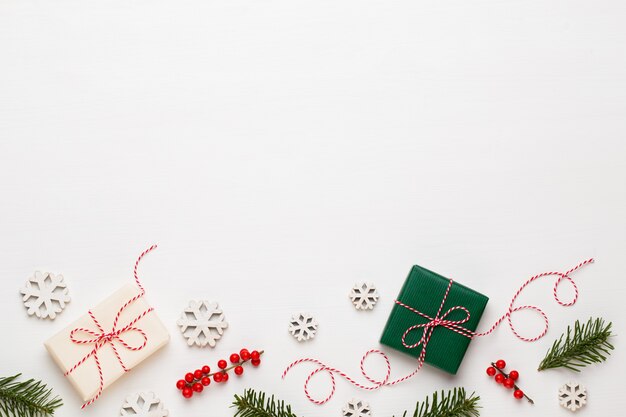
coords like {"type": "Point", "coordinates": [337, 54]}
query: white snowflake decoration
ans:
{"type": "Point", "coordinates": [303, 327]}
{"type": "Point", "coordinates": [45, 295]}
{"type": "Point", "coordinates": [364, 296]}
{"type": "Point", "coordinates": [357, 408]}
{"type": "Point", "coordinates": [202, 323]}
{"type": "Point", "coordinates": [572, 396]}
{"type": "Point", "coordinates": [144, 404]}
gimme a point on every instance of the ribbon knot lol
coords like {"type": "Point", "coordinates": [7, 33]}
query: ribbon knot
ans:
{"type": "Point", "coordinates": [434, 322]}
{"type": "Point", "coordinates": [101, 338]}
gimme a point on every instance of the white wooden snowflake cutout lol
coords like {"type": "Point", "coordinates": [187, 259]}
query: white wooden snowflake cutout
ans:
{"type": "Point", "coordinates": [357, 408]}
{"type": "Point", "coordinates": [45, 295]}
{"type": "Point", "coordinates": [364, 296]}
{"type": "Point", "coordinates": [303, 327]}
{"type": "Point", "coordinates": [202, 323]}
{"type": "Point", "coordinates": [573, 396]}
{"type": "Point", "coordinates": [143, 404]}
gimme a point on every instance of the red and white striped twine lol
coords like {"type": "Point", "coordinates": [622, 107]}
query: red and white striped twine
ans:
{"type": "Point", "coordinates": [427, 330]}
{"type": "Point", "coordinates": [100, 338]}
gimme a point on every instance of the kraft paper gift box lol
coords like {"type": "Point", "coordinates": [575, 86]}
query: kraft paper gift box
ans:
{"type": "Point", "coordinates": [424, 290]}
{"type": "Point", "coordinates": [85, 378]}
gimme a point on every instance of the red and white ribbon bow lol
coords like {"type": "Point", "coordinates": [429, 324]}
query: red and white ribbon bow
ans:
{"type": "Point", "coordinates": [434, 322]}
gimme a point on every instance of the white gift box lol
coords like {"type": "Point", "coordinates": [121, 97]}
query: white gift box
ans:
{"type": "Point", "coordinates": [85, 377]}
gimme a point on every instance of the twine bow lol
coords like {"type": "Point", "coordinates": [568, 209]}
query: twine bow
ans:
{"type": "Point", "coordinates": [433, 322]}
{"type": "Point", "coordinates": [101, 338]}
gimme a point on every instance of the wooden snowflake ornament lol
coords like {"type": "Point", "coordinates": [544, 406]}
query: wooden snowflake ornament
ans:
{"type": "Point", "coordinates": [364, 296]}
{"type": "Point", "coordinates": [303, 327]}
{"type": "Point", "coordinates": [144, 404]}
{"type": "Point", "coordinates": [573, 396]}
{"type": "Point", "coordinates": [357, 408]}
{"type": "Point", "coordinates": [202, 323]}
{"type": "Point", "coordinates": [45, 295]}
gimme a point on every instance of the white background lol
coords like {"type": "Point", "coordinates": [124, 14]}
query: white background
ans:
{"type": "Point", "coordinates": [279, 151]}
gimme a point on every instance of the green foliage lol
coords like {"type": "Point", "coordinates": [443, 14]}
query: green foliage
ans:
{"type": "Point", "coordinates": [26, 399]}
{"type": "Point", "coordinates": [253, 404]}
{"type": "Point", "coordinates": [454, 403]}
{"type": "Point", "coordinates": [586, 344]}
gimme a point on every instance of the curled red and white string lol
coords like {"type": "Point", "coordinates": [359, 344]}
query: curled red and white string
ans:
{"type": "Point", "coordinates": [427, 329]}
{"type": "Point", "coordinates": [101, 337]}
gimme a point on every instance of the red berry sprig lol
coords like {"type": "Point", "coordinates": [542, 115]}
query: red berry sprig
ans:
{"type": "Point", "coordinates": [196, 381]}
{"type": "Point", "coordinates": [508, 380]}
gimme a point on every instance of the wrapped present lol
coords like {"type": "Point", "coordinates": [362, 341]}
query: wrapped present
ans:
{"type": "Point", "coordinates": [110, 340]}
{"type": "Point", "coordinates": [434, 311]}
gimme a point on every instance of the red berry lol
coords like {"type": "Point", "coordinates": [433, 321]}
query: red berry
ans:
{"type": "Point", "coordinates": [197, 387]}
{"type": "Point", "coordinates": [519, 394]}
{"type": "Point", "coordinates": [500, 378]}
{"type": "Point", "coordinates": [218, 377]}
{"type": "Point", "coordinates": [255, 362]}
{"type": "Point", "coordinates": [206, 370]}
{"type": "Point", "coordinates": [500, 364]}
{"type": "Point", "coordinates": [508, 383]}
{"type": "Point", "coordinates": [222, 364]}
{"type": "Point", "coordinates": [245, 355]}
{"type": "Point", "coordinates": [234, 358]}
{"type": "Point", "coordinates": [225, 377]}
{"type": "Point", "coordinates": [206, 381]}
{"type": "Point", "coordinates": [514, 375]}
{"type": "Point", "coordinates": [197, 374]}
{"type": "Point", "coordinates": [238, 370]}
{"type": "Point", "coordinates": [491, 371]}
{"type": "Point", "coordinates": [255, 355]}
{"type": "Point", "coordinates": [187, 392]}
{"type": "Point", "coordinates": [181, 384]}
{"type": "Point", "coordinates": [189, 377]}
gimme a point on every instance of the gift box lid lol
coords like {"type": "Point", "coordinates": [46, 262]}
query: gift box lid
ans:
{"type": "Point", "coordinates": [424, 290]}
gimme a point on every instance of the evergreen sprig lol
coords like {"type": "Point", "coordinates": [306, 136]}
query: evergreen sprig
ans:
{"type": "Point", "coordinates": [26, 399]}
{"type": "Point", "coordinates": [454, 403]}
{"type": "Point", "coordinates": [256, 404]}
{"type": "Point", "coordinates": [586, 344]}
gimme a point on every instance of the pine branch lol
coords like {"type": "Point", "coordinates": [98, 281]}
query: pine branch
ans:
{"type": "Point", "coordinates": [253, 404]}
{"type": "Point", "coordinates": [586, 344]}
{"type": "Point", "coordinates": [454, 403]}
{"type": "Point", "coordinates": [26, 399]}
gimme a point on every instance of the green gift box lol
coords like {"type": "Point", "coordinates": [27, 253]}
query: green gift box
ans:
{"type": "Point", "coordinates": [424, 291]}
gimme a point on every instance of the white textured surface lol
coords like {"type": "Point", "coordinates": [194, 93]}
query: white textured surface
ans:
{"type": "Point", "coordinates": [143, 404]}
{"type": "Point", "coordinates": [202, 322]}
{"type": "Point", "coordinates": [573, 396]}
{"type": "Point", "coordinates": [279, 151]}
{"type": "Point", "coordinates": [364, 296]}
{"type": "Point", "coordinates": [303, 327]}
{"type": "Point", "coordinates": [45, 295]}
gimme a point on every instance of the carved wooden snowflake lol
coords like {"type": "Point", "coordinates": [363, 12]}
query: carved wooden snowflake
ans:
{"type": "Point", "coordinates": [572, 396]}
{"type": "Point", "coordinates": [144, 404]}
{"type": "Point", "coordinates": [202, 323]}
{"type": "Point", "coordinates": [357, 408]}
{"type": "Point", "coordinates": [364, 296]}
{"type": "Point", "coordinates": [45, 295]}
{"type": "Point", "coordinates": [303, 327]}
